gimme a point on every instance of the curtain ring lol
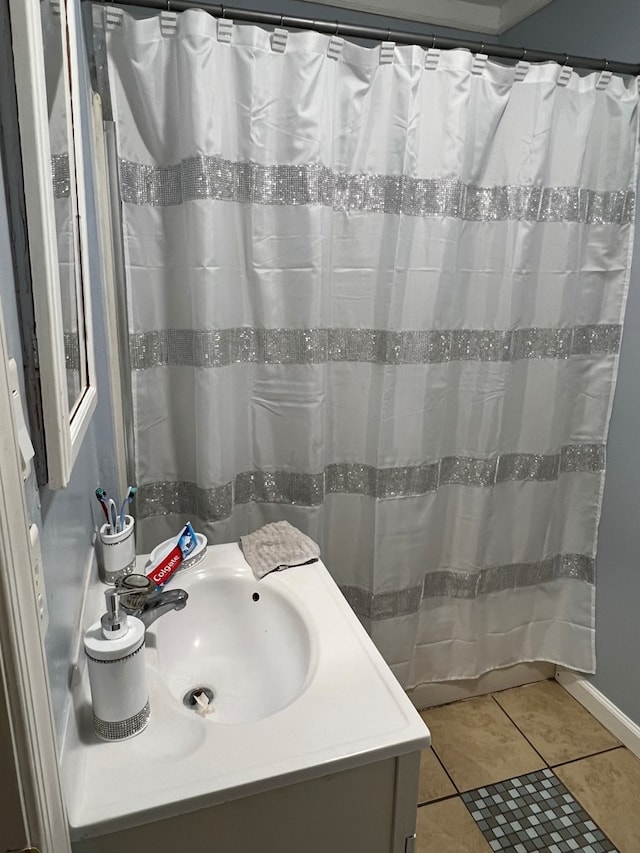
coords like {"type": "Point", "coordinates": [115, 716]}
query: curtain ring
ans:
{"type": "Point", "coordinates": [168, 5]}
{"type": "Point", "coordinates": [337, 28]}
{"type": "Point", "coordinates": [524, 54]}
{"type": "Point", "coordinates": [481, 47]}
{"type": "Point", "coordinates": [606, 65]}
{"type": "Point", "coordinates": [433, 43]}
{"type": "Point", "coordinates": [566, 59]}
{"type": "Point", "coordinates": [389, 34]}
{"type": "Point", "coordinates": [223, 10]}
{"type": "Point", "coordinates": [282, 20]}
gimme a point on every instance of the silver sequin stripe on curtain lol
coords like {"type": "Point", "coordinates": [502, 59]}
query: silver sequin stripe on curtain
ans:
{"type": "Point", "coordinates": [211, 177]}
{"type": "Point", "coordinates": [470, 585]}
{"type": "Point", "coordinates": [301, 489]}
{"type": "Point", "coordinates": [219, 348]}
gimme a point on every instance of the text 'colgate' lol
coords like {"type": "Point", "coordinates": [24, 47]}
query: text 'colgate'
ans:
{"type": "Point", "coordinates": [161, 573]}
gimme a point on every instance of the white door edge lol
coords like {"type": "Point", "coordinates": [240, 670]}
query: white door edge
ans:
{"type": "Point", "coordinates": [25, 688]}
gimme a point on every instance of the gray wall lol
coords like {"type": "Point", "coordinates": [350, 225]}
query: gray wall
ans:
{"type": "Point", "coordinates": [349, 16]}
{"type": "Point", "coordinates": [67, 517]}
{"type": "Point", "coordinates": [313, 11]}
{"type": "Point", "coordinates": [584, 28]}
{"type": "Point", "coordinates": [594, 28]}
{"type": "Point", "coordinates": [70, 516]}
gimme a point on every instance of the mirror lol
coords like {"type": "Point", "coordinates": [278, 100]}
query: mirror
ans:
{"type": "Point", "coordinates": [64, 198]}
{"type": "Point", "coordinates": [45, 48]}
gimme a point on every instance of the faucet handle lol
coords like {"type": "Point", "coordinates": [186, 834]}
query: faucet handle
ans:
{"type": "Point", "coordinates": [135, 590]}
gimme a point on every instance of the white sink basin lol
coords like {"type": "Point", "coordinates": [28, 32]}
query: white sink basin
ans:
{"type": "Point", "coordinates": [242, 639]}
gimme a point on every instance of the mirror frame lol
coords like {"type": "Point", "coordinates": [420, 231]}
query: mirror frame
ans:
{"type": "Point", "coordinates": [63, 432]}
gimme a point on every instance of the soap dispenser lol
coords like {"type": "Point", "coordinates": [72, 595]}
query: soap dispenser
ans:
{"type": "Point", "coordinates": [114, 647]}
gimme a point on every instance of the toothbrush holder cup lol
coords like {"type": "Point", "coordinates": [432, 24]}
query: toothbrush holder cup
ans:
{"type": "Point", "coordinates": [117, 556]}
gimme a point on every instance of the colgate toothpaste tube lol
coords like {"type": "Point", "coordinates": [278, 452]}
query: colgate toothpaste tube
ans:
{"type": "Point", "coordinates": [170, 563]}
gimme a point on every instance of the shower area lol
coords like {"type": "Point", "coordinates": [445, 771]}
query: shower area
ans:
{"type": "Point", "coordinates": [376, 291]}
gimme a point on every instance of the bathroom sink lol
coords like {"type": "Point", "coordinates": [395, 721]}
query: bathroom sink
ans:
{"type": "Point", "coordinates": [300, 694]}
{"type": "Point", "coordinates": [244, 640]}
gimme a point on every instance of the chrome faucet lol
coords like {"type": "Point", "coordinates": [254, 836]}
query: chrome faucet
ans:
{"type": "Point", "coordinates": [140, 597]}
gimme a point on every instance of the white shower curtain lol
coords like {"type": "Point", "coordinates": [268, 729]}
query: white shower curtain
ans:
{"type": "Point", "coordinates": [378, 292]}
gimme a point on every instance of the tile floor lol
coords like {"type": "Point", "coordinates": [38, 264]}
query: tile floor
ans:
{"type": "Point", "coordinates": [525, 770]}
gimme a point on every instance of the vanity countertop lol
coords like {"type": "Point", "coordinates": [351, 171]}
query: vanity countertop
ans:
{"type": "Point", "coordinates": [351, 713]}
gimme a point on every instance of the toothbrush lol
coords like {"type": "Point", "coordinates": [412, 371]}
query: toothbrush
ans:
{"type": "Point", "coordinates": [113, 515]}
{"type": "Point", "coordinates": [128, 498]}
{"type": "Point", "coordinates": [102, 499]}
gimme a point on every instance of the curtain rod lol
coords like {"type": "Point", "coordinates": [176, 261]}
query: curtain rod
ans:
{"type": "Point", "coordinates": [500, 51]}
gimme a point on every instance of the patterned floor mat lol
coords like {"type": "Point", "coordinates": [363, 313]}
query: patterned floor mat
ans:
{"type": "Point", "coordinates": [534, 812]}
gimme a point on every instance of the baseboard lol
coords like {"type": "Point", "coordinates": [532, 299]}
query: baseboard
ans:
{"type": "Point", "coordinates": [611, 717]}
{"type": "Point", "coordinates": [442, 693]}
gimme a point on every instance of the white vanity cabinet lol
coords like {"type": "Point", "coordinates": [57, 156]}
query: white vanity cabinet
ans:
{"type": "Point", "coordinates": [369, 809]}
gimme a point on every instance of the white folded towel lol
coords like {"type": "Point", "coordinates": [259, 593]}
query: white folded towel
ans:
{"type": "Point", "coordinates": [278, 546]}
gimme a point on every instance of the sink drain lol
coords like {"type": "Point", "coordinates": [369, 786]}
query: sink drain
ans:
{"type": "Point", "coordinates": [191, 696]}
